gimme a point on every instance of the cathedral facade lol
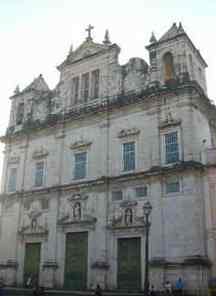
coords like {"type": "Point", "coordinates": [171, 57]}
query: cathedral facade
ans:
{"type": "Point", "coordinates": [82, 159]}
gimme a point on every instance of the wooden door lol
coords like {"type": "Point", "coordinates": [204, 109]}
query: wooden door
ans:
{"type": "Point", "coordinates": [32, 262]}
{"type": "Point", "coordinates": [129, 264]}
{"type": "Point", "coordinates": [76, 260]}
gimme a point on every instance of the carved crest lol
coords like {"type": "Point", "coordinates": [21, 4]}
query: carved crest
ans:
{"type": "Point", "coordinates": [80, 144]}
{"type": "Point", "coordinates": [14, 159]}
{"type": "Point", "coordinates": [125, 216]}
{"type": "Point", "coordinates": [34, 222]}
{"type": "Point", "coordinates": [128, 132]}
{"type": "Point", "coordinates": [74, 211]}
{"type": "Point", "coordinates": [40, 153]}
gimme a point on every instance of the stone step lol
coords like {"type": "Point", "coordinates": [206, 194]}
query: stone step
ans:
{"type": "Point", "coordinates": [23, 292]}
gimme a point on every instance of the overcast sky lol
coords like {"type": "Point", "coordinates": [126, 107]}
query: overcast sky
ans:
{"type": "Point", "coordinates": [35, 35]}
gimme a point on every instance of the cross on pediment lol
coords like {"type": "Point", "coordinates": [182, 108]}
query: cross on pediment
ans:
{"type": "Point", "coordinates": [90, 27]}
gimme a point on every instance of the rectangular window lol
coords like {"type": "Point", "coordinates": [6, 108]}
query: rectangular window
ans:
{"type": "Point", "coordinates": [117, 195]}
{"type": "Point", "coordinates": [172, 185]}
{"type": "Point", "coordinates": [95, 84]}
{"type": "Point", "coordinates": [80, 165]}
{"type": "Point", "coordinates": [75, 89]}
{"type": "Point", "coordinates": [141, 191]}
{"type": "Point", "coordinates": [12, 180]}
{"type": "Point", "coordinates": [85, 87]}
{"type": "Point", "coordinates": [129, 156]}
{"type": "Point", "coordinates": [171, 147]}
{"type": "Point", "coordinates": [39, 174]}
{"type": "Point", "coordinates": [44, 203]}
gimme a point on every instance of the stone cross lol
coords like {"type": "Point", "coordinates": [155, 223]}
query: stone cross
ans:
{"type": "Point", "coordinates": [90, 27]}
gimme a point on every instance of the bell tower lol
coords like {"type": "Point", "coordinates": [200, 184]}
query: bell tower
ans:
{"type": "Point", "coordinates": [175, 58]}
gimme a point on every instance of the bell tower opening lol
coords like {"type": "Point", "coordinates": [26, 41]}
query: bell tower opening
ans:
{"type": "Point", "coordinates": [169, 73]}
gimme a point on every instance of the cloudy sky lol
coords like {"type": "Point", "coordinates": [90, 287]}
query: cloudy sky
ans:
{"type": "Point", "coordinates": [35, 35]}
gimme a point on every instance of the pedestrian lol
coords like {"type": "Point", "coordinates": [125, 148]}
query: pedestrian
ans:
{"type": "Point", "coordinates": [168, 288]}
{"type": "Point", "coordinates": [2, 291]}
{"type": "Point", "coordinates": [98, 291]}
{"type": "Point", "coordinates": [152, 291]}
{"type": "Point", "coordinates": [179, 286]}
{"type": "Point", "coordinates": [29, 281]}
{"type": "Point", "coordinates": [35, 291]}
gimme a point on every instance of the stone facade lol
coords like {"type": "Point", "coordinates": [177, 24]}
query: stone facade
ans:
{"type": "Point", "coordinates": [65, 170]}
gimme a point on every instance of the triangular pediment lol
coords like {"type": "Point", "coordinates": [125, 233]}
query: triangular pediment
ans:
{"type": "Point", "coordinates": [38, 84]}
{"type": "Point", "coordinates": [87, 49]}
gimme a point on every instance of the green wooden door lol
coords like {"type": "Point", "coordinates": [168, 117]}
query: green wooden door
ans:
{"type": "Point", "coordinates": [32, 261]}
{"type": "Point", "coordinates": [76, 260]}
{"type": "Point", "coordinates": [129, 264]}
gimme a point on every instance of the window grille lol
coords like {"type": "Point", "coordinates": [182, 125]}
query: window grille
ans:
{"type": "Point", "coordinates": [12, 180]}
{"type": "Point", "coordinates": [80, 165]}
{"type": "Point", "coordinates": [39, 174]}
{"type": "Point", "coordinates": [141, 191]}
{"type": "Point", "coordinates": [173, 185]}
{"type": "Point", "coordinates": [171, 147]}
{"type": "Point", "coordinates": [129, 156]}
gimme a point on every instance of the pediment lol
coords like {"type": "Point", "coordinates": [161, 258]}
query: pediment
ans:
{"type": "Point", "coordinates": [86, 49]}
{"type": "Point", "coordinates": [39, 231]}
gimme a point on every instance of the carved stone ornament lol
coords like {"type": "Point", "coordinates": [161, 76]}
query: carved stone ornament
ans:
{"type": "Point", "coordinates": [14, 160]}
{"type": "Point", "coordinates": [125, 217]}
{"type": "Point", "coordinates": [128, 132]}
{"type": "Point", "coordinates": [75, 214]}
{"type": "Point", "coordinates": [80, 144]}
{"type": "Point", "coordinates": [34, 228]}
{"type": "Point", "coordinates": [32, 224]}
{"type": "Point", "coordinates": [128, 203]}
{"type": "Point", "coordinates": [40, 153]}
{"type": "Point", "coordinates": [100, 264]}
{"type": "Point", "coordinates": [169, 121]}
{"type": "Point", "coordinates": [77, 196]}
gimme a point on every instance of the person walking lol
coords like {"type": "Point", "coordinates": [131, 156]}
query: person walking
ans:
{"type": "Point", "coordinates": [2, 290]}
{"type": "Point", "coordinates": [179, 286]}
{"type": "Point", "coordinates": [98, 291]}
{"type": "Point", "coordinates": [168, 288]}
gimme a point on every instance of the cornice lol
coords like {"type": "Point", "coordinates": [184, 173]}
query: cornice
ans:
{"type": "Point", "coordinates": [108, 105]}
{"type": "Point", "coordinates": [82, 144]}
{"type": "Point", "coordinates": [196, 260]}
{"type": "Point", "coordinates": [156, 171]}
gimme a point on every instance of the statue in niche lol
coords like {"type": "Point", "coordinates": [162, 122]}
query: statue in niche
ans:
{"type": "Point", "coordinates": [34, 214]}
{"type": "Point", "coordinates": [77, 211]}
{"type": "Point", "coordinates": [128, 217]}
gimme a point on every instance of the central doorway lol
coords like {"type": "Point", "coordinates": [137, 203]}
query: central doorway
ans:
{"type": "Point", "coordinates": [32, 262]}
{"type": "Point", "coordinates": [129, 264]}
{"type": "Point", "coordinates": [76, 260]}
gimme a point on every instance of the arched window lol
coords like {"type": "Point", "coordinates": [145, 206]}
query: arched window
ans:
{"type": "Point", "coordinates": [191, 66]}
{"type": "Point", "coordinates": [128, 217]}
{"type": "Point", "coordinates": [168, 66]}
{"type": "Point", "coordinates": [20, 113]}
{"type": "Point", "coordinates": [77, 211]}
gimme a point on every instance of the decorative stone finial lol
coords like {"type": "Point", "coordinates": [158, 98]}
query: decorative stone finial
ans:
{"type": "Point", "coordinates": [106, 38]}
{"type": "Point", "coordinates": [71, 49]}
{"type": "Point", "coordinates": [180, 28]}
{"type": "Point", "coordinates": [17, 90]}
{"type": "Point", "coordinates": [153, 38]}
{"type": "Point", "coordinates": [89, 37]}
